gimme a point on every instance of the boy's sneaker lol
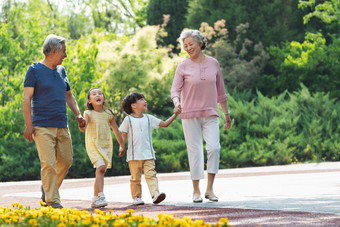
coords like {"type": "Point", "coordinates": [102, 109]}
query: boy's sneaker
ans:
{"type": "Point", "coordinates": [138, 201]}
{"type": "Point", "coordinates": [99, 201]}
{"type": "Point", "coordinates": [159, 197]}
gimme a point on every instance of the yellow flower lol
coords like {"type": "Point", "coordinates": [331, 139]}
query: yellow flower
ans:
{"type": "Point", "coordinates": [97, 211]}
{"type": "Point", "coordinates": [15, 215]}
{"type": "Point", "coordinates": [54, 217]}
{"type": "Point", "coordinates": [178, 222]}
{"type": "Point", "coordinates": [130, 211]}
{"type": "Point", "coordinates": [33, 222]}
{"type": "Point", "coordinates": [72, 223]}
{"type": "Point", "coordinates": [224, 221]}
{"type": "Point", "coordinates": [198, 222]}
{"type": "Point", "coordinates": [42, 203]}
{"type": "Point", "coordinates": [16, 218]}
{"type": "Point", "coordinates": [119, 222]}
{"type": "Point", "coordinates": [187, 219]}
{"type": "Point", "coordinates": [17, 205]}
{"type": "Point", "coordinates": [86, 222]}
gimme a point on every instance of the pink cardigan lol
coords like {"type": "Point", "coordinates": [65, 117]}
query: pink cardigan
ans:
{"type": "Point", "coordinates": [201, 86]}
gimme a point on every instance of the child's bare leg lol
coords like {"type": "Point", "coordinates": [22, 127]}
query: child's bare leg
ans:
{"type": "Point", "coordinates": [99, 182]}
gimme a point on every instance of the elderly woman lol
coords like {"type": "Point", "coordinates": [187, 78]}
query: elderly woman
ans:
{"type": "Point", "coordinates": [197, 88]}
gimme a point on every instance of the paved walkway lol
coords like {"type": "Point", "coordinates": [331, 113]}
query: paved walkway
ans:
{"type": "Point", "coordinates": [292, 195]}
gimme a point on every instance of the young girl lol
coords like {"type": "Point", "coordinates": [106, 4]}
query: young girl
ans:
{"type": "Point", "coordinates": [99, 141]}
{"type": "Point", "coordinates": [140, 154]}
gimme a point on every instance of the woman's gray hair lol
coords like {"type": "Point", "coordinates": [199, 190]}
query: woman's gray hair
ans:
{"type": "Point", "coordinates": [53, 42]}
{"type": "Point", "coordinates": [196, 34]}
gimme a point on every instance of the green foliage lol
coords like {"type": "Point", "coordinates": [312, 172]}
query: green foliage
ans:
{"type": "Point", "coordinates": [136, 65]}
{"type": "Point", "coordinates": [177, 10]}
{"type": "Point", "coordinates": [281, 130]}
{"type": "Point", "coordinates": [21, 39]}
{"type": "Point", "coordinates": [20, 45]}
{"type": "Point", "coordinates": [15, 153]}
{"type": "Point", "coordinates": [121, 17]}
{"type": "Point", "coordinates": [313, 62]}
{"type": "Point", "coordinates": [271, 22]}
{"type": "Point", "coordinates": [327, 11]}
{"type": "Point", "coordinates": [170, 148]}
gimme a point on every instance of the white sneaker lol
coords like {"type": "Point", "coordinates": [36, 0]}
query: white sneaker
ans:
{"type": "Point", "coordinates": [159, 197]}
{"type": "Point", "coordinates": [98, 201]}
{"type": "Point", "coordinates": [138, 201]}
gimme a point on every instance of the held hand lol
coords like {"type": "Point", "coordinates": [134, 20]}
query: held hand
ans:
{"type": "Point", "coordinates": [82, 129]}
{"type": "Point", "coordinates": [227, 122]}
{"type": "Point", "coordinates": [81, 121]}
{"type": "Point", "coordinates": [121, 151]}
{"type": "Point", "coordinates": [29, 131]}
{"type": "Point", "coordinates": [178, 107]}
{"type": "Point", "coordinates": [177, 110]}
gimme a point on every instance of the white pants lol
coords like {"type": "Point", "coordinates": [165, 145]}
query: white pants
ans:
{"type": "Point", "coordinates": [193, 130]}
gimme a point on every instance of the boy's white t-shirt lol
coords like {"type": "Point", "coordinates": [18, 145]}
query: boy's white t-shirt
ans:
{"type": "Point", "coordinates": [139, 136]}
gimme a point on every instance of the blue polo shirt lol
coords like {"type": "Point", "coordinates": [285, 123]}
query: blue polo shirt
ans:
{"type": "Point", "coordinates": [48, 101]}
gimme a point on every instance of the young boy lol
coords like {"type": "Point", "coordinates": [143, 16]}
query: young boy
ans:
{"type": "Point", "coordinates": [140, 153]}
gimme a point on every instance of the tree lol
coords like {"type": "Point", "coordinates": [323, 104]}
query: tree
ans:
{"type": "Point", "coordinates": [121, 16]}
{"type": "Point", "coordinates": [177, 10]}
{"type": "Point", "coordinates": [327, 11]}
{"type": "Point", "coordinates": [270, 22]}
{"type": "Point", "coordinates": [313, 62]}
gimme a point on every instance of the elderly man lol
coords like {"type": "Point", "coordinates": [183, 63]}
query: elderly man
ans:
{"type": "Point", "coordinates": [46, 92]}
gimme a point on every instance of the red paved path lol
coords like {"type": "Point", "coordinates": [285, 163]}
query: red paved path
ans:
{"type": "Point", "coordinates": [237, 217]}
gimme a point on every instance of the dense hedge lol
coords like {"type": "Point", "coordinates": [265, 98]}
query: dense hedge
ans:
{"type": "Point", "coordinates": [289, 128]}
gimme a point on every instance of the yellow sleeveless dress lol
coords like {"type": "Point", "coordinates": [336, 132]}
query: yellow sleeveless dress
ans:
{"type": "Point", "coordinates": [98, 139]}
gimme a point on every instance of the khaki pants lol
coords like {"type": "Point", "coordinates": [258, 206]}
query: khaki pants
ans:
{"type": "Point", "coordinates": [136, 168]}
{"type": "Point", "coordinates": [55, 153]}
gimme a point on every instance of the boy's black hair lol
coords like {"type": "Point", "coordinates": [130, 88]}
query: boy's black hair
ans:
{"type": "Point", "coordinates": [129, 100]}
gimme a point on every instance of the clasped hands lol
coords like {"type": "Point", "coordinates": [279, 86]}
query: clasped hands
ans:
{"type": "Point", "coordinates": [178, 109]}
{"type": "Point", "coordinates": [81, 121]}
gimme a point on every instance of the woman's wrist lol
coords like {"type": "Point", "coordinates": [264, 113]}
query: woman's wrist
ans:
{"type": "Point", "coordinates": [227, 113]}
{"type": "Point", "coordinates": [176, 101]}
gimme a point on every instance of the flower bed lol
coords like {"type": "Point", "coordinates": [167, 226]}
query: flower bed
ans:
{"type": "Point", "coordinates": [17, 215]}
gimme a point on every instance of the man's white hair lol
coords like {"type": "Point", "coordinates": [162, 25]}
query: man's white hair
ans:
{"type": "Point", "coordinates": [53, 42]}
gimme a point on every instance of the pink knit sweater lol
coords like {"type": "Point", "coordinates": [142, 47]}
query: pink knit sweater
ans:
{"type": "Point", "coordinates": [201, 86]}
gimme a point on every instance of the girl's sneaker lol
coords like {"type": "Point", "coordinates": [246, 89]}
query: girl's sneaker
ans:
{"type": "Point", "coordinates": [99, 201]}
{"type": "Point", "coordinates": [138, 201]}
